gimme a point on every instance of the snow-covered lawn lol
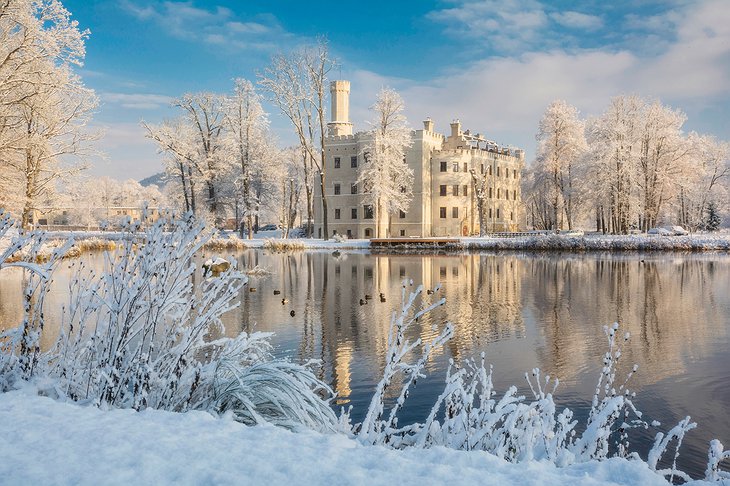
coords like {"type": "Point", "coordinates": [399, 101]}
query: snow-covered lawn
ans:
{"type": "Point", "coordinates": [48, 442]}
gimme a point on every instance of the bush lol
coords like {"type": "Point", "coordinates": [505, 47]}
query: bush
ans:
{"type": "Point", "coordinates": [141, 334]}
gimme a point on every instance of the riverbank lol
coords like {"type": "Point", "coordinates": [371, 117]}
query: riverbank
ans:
{"type": "Point", "coordinates": [97, 241]}
{"type": "Point", "coordinates": [48, 442]}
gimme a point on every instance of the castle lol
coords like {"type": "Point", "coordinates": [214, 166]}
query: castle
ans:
{"type": "Point", "coordinates": [444, 203]}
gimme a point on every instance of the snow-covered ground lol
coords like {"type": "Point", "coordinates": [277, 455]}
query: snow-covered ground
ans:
{"type": "Point", "coordinates": [592, 242]}
{"type": "Point", "coordinates": [47, 442]}
{"type": "Point", "coordinates": [589, 242]}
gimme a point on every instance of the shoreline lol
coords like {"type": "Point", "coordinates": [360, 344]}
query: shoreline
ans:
{"type": "Point", "coordinates": [694, 243]}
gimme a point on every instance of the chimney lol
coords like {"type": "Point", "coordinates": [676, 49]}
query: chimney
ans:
{"type": "Point", "coordinates": [428, 125]}
{"type": "Point", "coordinates": [340, 108]}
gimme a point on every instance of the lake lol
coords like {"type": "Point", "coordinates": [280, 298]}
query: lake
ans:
{"type": "Point", "coordinates": [523, 310]}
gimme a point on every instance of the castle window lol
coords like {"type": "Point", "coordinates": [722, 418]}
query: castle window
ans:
{"type": "Point", "coordinates": [490, 170]}
{"type": "Point", "coordinates": [455, 167]}
{"type": "Point", "coordinates": [353, 213]}
{"type": "Point", "coordinates": [482, 169]}
{"type": "Point", "coordinates": [455, 190]}
{"type": "Point", "coordinates": [512, 216]}
{"type": "Point", "coordinates": [402, 232]}
{"type": "Point", "coordinates": [368, 211]}
{"type": "Point", "coordinates": [337, 213]}
{"type": "Point", "coordinates": [349, 235]}
{"type": "Point", "coordinates": [465, 168]}
{"type": "Point", "coordinates": [367, 232]}
{"type": "Point", "coordinates": [490, 193]}
{"type": "Point", "coordinates": [337, 189]}
{"type": "Point", "coordinates": [490, 213]}
{"type": "Point", "coordinates": [454, 212]}
{"type": "Point", "coordinates": [514, 174]}
{"type": "Point", "coordinates": [353, 188]}
{"type": "Point", "coordinates": [499, 193]}
{"type": "Point", "coordinates": [497, 171]}
{"type": "Point", "coordinates": [497, 213]}
{"type": "Point", "coordinates": [337, 162]}
{"type": "Point", "coordinates": [443, 167]}
{"type": "Point", "coordinates": [442, 190]}
{"type": "Point", "coordinates": [442, 212]}
{"type": "Point", "coordinates": [353, 161]}
{"type": "Point", "coordinates": [464, 191]}
{"type": "Point", "coordinates": [402, 214]}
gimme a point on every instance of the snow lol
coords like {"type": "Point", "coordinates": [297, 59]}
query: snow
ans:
{"type": "Point", "coordinates": [593, 242]}
{"type": "Point", "coordinates": [49, 442]}
{"type": "Point", "coordinates": [567, 242]}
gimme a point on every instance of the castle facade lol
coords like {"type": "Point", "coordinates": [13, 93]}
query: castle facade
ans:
{"type": "Point", "coordinates": [444, 201]}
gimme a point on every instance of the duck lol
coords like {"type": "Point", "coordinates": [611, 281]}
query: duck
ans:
{"type": "Point", "coordinates": [368, 296]}
{"type": "Point", "coordinates": [382, 297]}
{"type": "Point", "coordinates": [429, 291]}
{"type": "Point", "coordinates": [292, 313]}
{"type": "Point", "coordinates": [363, 302]}
{"type": "Point", "coordinates": [284, 301]}
{"type": "Point", "coordinates": [252, 289]}
{"type": "Point", "coordinates": [277, 292]}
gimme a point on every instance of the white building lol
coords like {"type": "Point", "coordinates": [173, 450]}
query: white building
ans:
{"type": "Point", "coordinates": [443, 202]}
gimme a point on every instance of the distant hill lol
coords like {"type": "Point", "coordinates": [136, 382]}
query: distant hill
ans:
{"type": "Point", "coordinates": [157, 179]}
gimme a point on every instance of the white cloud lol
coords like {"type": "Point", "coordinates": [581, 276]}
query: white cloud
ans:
{"type": "Point", "coordinates": [577, 20]}
{"type": "Point", "coordinates": [506, 25]}
{"type": "Point", "coordinates": [216, 26]}
{"type": "Point", "coordinates": [505, 97]}
{"type": "Point", "coordinates": [143, 101]}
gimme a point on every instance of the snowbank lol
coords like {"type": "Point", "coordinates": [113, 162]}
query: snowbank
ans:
{"type": "Point", "coordinates": [695, 242]}
{"type": "Point", "coordinates": [590, 242]}
{"type": "Point", "coordinates": [47, 442]}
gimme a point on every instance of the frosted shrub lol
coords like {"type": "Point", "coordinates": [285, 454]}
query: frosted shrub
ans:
{"type": "Point", "coordinates": [19, 346]}
{"type": "Point", "coordinates": [468, 414]}
{"type": "Point", "coordinates": [715, 456]}
{"type": "Point", "coordinates": [400, 364]}
{"type": "Point", "coordinates": [143, 332]}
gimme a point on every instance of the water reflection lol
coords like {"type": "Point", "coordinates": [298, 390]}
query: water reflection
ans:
{"type": "Point", "coordinates": [523, 310]}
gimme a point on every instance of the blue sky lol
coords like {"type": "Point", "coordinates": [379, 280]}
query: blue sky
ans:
{"type": "Point", "coordinates": [494, 64]}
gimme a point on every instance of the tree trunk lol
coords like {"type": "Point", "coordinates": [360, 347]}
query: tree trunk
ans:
{"type": "Point", "coordinates": [325, 227]}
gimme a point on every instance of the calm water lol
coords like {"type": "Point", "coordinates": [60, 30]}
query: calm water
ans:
{"type": "Point", "coordinates": [523, 310]}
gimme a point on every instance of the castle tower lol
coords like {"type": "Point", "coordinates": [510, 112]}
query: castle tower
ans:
{"type": "Point", "coordinates": [340, 112]}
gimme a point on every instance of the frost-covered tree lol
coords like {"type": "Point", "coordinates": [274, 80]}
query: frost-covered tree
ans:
{"type": "Point", "coordinates": [246, 125]}
{"type": "Point", "coordinates": [204, 114]}
{"type": "Point", "coordinates": [662, 156]}
{"type": "Point", "coordinates": [385, 177]}
{"type": "Point", "coordinates": [44, 106]}
{"type": "Point", "coordinates": [176, 140]}
{"type": "Point", "coordinates": [290, 183]}
{"type": "Point", "coordinates": [614, 140]}
{"type": "Point", "coordinates": [704, 179]}
{"type": "Point", "coordinates": [297, 85]}
{"type": "Point", "coordinates": [561, 145]}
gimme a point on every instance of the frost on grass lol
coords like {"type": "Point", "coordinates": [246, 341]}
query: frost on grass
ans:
{"type": "Point", "coordinates": [142, 333]}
